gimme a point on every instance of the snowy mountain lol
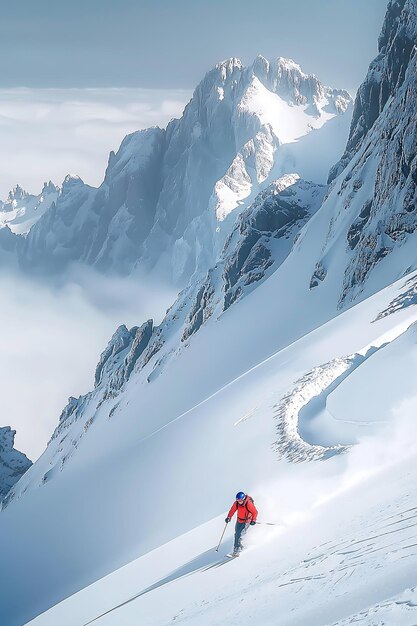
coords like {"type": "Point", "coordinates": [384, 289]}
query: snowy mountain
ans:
{"type": "Point", "coordinates": [286, 369]}
{"type": "Point", "coordinates": [13, 464]}
{"type": "Point", "coordinates": [21, 210]}
{"type": "Point", "coordinates": [170, 197]}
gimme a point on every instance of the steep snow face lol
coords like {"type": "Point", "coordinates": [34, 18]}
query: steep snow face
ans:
{"type": "Point", "coordinates": [372, 203]}
{"type": "Point", "coordinates": [13, 464]}
{"type": "Point", "coordinates": [170, 197]}
{"type": "Point", "coordinates": [350, 559]}
{"type": "Point", "coordinates": [22, 210]}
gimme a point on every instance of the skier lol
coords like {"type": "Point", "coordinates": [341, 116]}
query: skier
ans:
{"type": "Point", "coordinates": [246, 516]}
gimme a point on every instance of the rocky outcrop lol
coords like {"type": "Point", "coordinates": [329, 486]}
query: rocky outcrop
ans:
{"type": "Point", "coordinates": [373, 194]}
{"type": "Point", "coordinates": [13, 464]}
{"type": "Point", "coordinates": [278, 213]}
{"type": "Point", "coordinates": [259, 242]}
{"type": "Point", "coordinates": [122, 339]}
{"type": "Point", "coordinates": [385, 76]}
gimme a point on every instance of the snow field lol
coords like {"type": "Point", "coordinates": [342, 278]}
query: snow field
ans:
{"type": "Point", "coordinates": [342, 502]}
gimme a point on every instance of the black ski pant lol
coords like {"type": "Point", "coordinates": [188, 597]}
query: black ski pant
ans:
{"type": "Point", "coordinates": [240, 529]}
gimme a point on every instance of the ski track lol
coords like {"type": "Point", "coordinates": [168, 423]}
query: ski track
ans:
{"type": "Point", "coordinates": [328, 567]}
{"type": "Point", "coordinates": [325, 573]}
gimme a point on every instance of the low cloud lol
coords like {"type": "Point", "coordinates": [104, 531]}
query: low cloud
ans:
{"type": "Point", "coordinates": [48, 133]}
{"type": "Point", "coordinates": [51, 339]}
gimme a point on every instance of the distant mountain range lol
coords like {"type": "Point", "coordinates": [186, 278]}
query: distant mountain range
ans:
{"type": "Point", "coordinates": [170, 196]}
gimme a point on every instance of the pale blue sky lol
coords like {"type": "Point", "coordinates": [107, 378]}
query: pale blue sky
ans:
{"type": "Point", "coordinates": [172, 43]}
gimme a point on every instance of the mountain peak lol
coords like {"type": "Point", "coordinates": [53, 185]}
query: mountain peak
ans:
{"type": "Point", "coordinates": [17, 194]}
{"type": "Point", "coordinates": [49, 187]}
{"type": "Point", "coordinates": [290, 65]}
{"type": "Point", "coordinates": [71, 180]}
{"type": "Point", "coordinates": [242, 128]}
{"type": "Point", "coordinates": [229, 65]}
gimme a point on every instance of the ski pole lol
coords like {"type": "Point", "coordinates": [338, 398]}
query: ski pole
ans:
{"type": "Point", "coordinates": [217, 549]}
{"type": "Point", "coordinates": [270, 524]}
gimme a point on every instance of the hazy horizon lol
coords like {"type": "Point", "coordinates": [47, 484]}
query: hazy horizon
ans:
{"type": "Point", "coordinates": [160, 44]}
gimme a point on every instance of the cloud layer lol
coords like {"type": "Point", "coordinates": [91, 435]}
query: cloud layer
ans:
{"type": "Point", "coordinates": [48, 133]}
{"type": "Point", "coordinates": [51, 339]}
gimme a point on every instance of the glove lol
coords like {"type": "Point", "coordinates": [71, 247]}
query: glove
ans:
{"type": "Point", "coordinates": [227, 520]}
{"type": "Point", "coordinates": [252, 523]}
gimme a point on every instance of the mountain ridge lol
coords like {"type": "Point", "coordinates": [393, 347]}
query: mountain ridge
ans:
{"type": "Point", "coordinates": [170, 196]}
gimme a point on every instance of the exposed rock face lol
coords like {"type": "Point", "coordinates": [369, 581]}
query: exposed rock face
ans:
{"type": "Point", "coordinates": [375, 192]}
{"type": "Point", "coordinates": [13, 464]}
{"type": "Point", "coordinates": [260, 241]}
{"type": "Point", "coordinates": [319, 275]}
{"type": "Point", "coordinates": [121, 339]}
{"type": "Point", "coordinates": [103, 227]}
{"type": "Point", "coordinates": [278, 213]}
{"type": "Point", "coordinates": [116, 364]}
{"type": "Point", "coordinates": [385, 76]}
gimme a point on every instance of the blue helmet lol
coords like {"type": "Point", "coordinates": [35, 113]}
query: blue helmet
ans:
{"type": "Point", "coordinates": [240, 495]}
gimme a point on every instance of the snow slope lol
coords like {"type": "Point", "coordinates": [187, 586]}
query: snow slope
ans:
{"type": "Point", "coordinates": [109, 500]}
{"type": "Point", "coordinates": [350, 560]}
{"type": "Point", "coordinates": [348, 540]}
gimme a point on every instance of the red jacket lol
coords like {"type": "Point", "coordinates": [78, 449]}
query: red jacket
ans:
{"type": "Point", "coordinates": [246, 512]}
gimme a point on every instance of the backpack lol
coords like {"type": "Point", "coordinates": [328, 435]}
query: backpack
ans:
{"type": "Point", "coordinates": [246, 503]}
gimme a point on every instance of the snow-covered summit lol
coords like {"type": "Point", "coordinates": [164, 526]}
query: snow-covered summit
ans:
{"type": "Point", "coordinates": [170, 196]}
{"type": "Point", "coordinates": [72, 179]}
{"type": "Point", "coordinates": [15, 195]}
{"type": "Point", "coordinates": [286, 78]}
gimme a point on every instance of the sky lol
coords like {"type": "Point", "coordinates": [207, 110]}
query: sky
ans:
{"type": "Point", "coordinates": [172, 43]}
